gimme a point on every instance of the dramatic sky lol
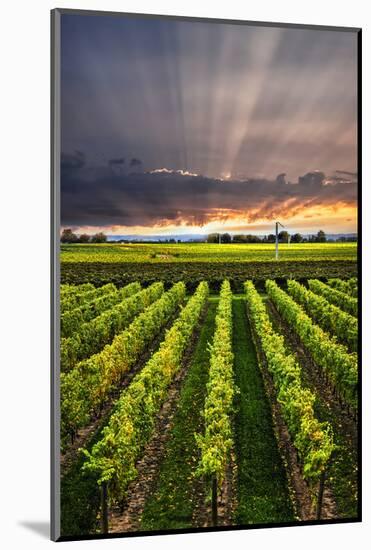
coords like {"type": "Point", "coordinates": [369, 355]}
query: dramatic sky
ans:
{"type": "Point", "coordinates": [185, 127]}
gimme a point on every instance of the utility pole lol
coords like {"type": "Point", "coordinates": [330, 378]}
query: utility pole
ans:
{"type": "Point", "coordinates": [277, 224]}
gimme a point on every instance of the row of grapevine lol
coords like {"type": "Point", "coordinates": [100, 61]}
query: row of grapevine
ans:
{"type": "Point", "coordinates": [113, 458]}
{"type": "Point", "coordinates": [73, 318]}
{"type": "Point", "coordinates": [339, 366]}
{"type": "Point", "coordinates": [86, 387]}
{"type": "Point", "coordinates": [312, 439]}
{"type": "Point", "coordinates": [69, 290]}
{"type": "Point", "coordinates": [344, 301]}
{"type": "Point", "coordinates": [348, 287]}
{"type": "Point", "coordinates": [71, 301]}
{"type": "Point", "coordinates": [217, 440]}
{"type": "Point", "coordinates": [329, 317]}
{"type": "Point", "coordinates": [92, 336]}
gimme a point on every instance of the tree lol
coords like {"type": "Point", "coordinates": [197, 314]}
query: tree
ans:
{"type": "Point", "coordinates": [68, 236]}
{"type": "Point", "coordinates": [321, 237]}
{"type": "Point", "coordinates": [239, 238]}
{"type": "Point", "coordinates": [297, 238]}
{"type": "Point", "coordinates": [213, 238]}
{"type": "Point", "coordinates": [99, 238]}
{"type": "Point", "coordinates": [253, 239]}
{"type": "Point", "coordinates": [84, 238]}
{"type": "Point", "coordinates": [283, 236]}
{"type": "Point", "coordinates": [271, 238]}
{"type": "Point", "coordinates": [226, 238]}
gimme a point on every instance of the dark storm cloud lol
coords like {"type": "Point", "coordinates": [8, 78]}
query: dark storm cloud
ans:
{"type": "Point", "coordinates": [168, 197]}
{"type": "Point", "coordinates": [135, 162]}
{"type": "Point", "coordinates": [312, 179]}
{"type": "Point", "coordinates": [71, 162]}
{"type": "Point", "coordinates": [209, 98]}
{"type": "Point", "coordinates": [116, 162]}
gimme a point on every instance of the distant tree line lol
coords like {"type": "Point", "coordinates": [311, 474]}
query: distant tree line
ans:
{"type": "Point", "coordinates": [283, 237]}
{"type": "Point", "coordinates": [68, 236]}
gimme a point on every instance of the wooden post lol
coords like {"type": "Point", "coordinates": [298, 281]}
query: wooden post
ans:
{"type": "Point", "coordinates": [104, 508]}
{"type": "Point", "coordinates": [214, 500]}
{"type": "Point", "coordinates": [320, 494]}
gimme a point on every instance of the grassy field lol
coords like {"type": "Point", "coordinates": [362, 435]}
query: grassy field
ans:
{"type": "Point", "coordinates": [202, 252]}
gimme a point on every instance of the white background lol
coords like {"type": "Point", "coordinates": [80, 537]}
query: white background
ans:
{"type": "Point", "coordinates": [24, 303]}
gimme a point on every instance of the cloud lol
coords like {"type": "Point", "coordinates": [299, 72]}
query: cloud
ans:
{"type": "Point", "coordinates": [352, 174]}
{"type": "Point", "coordinates": [171, 171]}
{"type": "Point", "coordinates": [116, 162]}
{"type": "Point", "coordinates": [100, 197]}
{"type": "Point", "coordinates": [211, 99]}
{"type": "Point", "coordinates": [72, 161]}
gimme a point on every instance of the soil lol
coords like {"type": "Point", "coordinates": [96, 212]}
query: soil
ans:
{"type": "Point", "coordinates": [227, 499]}
{"type": "Point", "coordinates": [316, 378]}
{"type": "Point", "coordinates": [342, 471]}
{"type": "Point", "coordinates": [128, 519]}
{"type": "Point", "coordinates": [299, 490]}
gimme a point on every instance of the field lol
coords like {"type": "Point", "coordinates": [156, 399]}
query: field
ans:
{"type": "Point", "coordinates": [222, 401]}
{"type": "Point", "coordinates": [193, 263]}
{"type": "Point", "coordinates": [202, 252]}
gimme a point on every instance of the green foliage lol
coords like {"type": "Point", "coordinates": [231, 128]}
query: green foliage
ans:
{"type": "Point", "coordinates": [69, 290]}
{"type": "Point", "coordinates": [312, 439]}
{"type": "Point", "coordinates": [343, 301]}
{"type": "Point", "coordinates": [339, 365]}
{"type": "Point", "coordinates": [114, 457]}
{"type": "Point", "coordinates": [217, 441]}
{"type": "Point", "coordinates": [73, 318]}
{"type": "Point", "coordinates": [92, 336]}
{"type": "Point", "coordinates": [214, 272]}
{"type": "Point", "coordinates": [171, 504]}
{"type": "Point", "coordinates": [73, 300]}
{"type": "Point", "coordinates": [206, 252]}
{"type": "Point", "coordinates": [85, 388]}
{"type": "Point", "coordinates": [331, 318]}
{"type": "Point", "coordinates": [347, 287]}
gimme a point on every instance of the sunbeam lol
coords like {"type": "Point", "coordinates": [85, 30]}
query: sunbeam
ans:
{"type": "Point", "coordinates": [202, 118]}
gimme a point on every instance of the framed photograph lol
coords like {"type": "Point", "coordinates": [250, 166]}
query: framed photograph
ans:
{"type": "Point", "coordinates": [206, 242]}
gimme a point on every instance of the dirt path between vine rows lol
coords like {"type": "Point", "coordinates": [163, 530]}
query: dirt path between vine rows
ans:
{"type": "Point", "coordinates": [314, 375]}
{"type": "Point", "coordinates": [300, 493]}
{"type": "Point", "coordinates": [342, 480]}
{"type": "Point", "coordinates": [128, 519]}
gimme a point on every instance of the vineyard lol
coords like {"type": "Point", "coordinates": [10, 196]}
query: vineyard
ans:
{"type": "Point", "coordinates": [209, 403]}
{"type": "Point", "coordinates": [192, 263]}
